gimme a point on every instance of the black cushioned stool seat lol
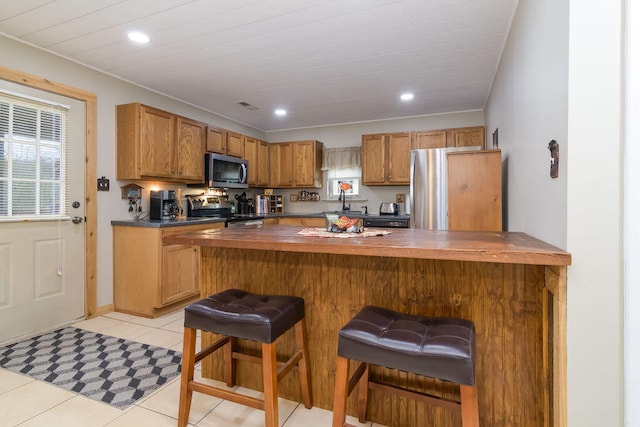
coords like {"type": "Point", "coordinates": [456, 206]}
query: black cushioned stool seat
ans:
{"type": "Point", "coordinates": [245, 315]}
{"type": "Point", "coordinates": [437, 347]}
{"type": "Point", "coordinates": [239, 314]}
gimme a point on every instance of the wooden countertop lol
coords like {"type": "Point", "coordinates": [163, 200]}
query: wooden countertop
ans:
{"type": "Point", "coordinates": [506, 247]}
{"type": "Point", "coordinates": [164, 223]}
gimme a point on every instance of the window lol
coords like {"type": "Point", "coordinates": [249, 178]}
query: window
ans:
{"type": "Point", "coordinates": [33, 148]}
{"type": "Point", "coordinates": [337, 177]}
{"type": "Point", "coordinates": [343, 166]}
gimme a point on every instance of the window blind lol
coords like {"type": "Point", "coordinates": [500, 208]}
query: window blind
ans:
{"type": "Point", "coordinates": [342, 165]}
{"type": "Point", "coordinates": [341, 158]}
{"type": "Point", "coordinates": [33, 158]}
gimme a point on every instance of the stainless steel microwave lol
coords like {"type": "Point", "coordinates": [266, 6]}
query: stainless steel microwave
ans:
{"type": "Point", "coordinates": [225, 171]}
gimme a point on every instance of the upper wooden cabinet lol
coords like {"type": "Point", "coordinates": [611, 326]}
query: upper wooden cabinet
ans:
{"type": "Point", "coordinates": [307, 161]}
{"type": "Point", "coordinates": [256, 152]}
{"type": "Point", "coordinates": [155, 144]}
{"type": "Point", "coordinates": [373, 159]}
{"type": "Point", "coordinates": [295, 164]}
{"type": "Point", "coordinates": [280, 165]}
{"type": "Point", "coordinates": [262, 176]}
{"type": "Point", "coordinates": [399, 146]}
{"type": "Point", "coordinates": [190, 149]}
{"type": "Point", "coordinates": [467, 137]}
{"type": "Point", "coordinates": [385, 158]}
{"type": "Point", "coordinates": [429, 139]}
{"type": "Point", "coordinates": [216, 140]}
{"type": "Point", "coordinates": [223, 141]}
{"type": "Point", "coordinates": [458, 137]}
{"type": "Point", "coordinates": [235, 144]}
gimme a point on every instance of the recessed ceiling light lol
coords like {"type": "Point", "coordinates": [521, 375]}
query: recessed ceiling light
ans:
{"type": "Point", "coordinates": [406, 96]}
{"type": "Point", "coordinates": [138, 37]}
{"type": "Point", "coordinates": [280, 112]}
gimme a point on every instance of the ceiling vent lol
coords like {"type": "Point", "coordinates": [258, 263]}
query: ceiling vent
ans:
{"type": "Point", "coordinates": [248, 106]}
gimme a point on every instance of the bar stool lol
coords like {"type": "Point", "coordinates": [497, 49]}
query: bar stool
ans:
{"type": "Point", "coordinates": [435, 347]}
{"type": "Point", "coordinates": [238, 314]}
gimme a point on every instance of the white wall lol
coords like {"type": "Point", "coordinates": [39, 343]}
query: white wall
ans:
{"type": "Point", "coordinates": [632, 219]}
{"type": "Point", "coordinates": [559, 79]}
{"type": "Point", "coordinates": [594, 209]}
{"type": "Point", "coordinates": [349, 135]}
{"type": "Point", "coordinates": [528, 106]}
{"type": "Point", "coordinates": [110, 92]}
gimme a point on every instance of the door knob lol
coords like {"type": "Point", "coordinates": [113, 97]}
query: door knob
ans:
{"type": "Point", "coordinates": [76, 219]}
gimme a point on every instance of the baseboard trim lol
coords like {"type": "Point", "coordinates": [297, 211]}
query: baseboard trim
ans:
{"type": "Point", "coordinates": [103, 310]}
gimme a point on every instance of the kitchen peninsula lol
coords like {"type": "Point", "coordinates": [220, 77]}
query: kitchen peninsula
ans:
{"type": "Point", "coordinates": [512, 286]}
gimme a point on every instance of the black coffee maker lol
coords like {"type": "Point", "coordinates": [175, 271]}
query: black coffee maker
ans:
{"type": "Point", "coordinates": [163, 205]}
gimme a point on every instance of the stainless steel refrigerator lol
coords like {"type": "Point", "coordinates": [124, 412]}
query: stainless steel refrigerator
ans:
{"type": "Point", "coordinates": [428, 195]}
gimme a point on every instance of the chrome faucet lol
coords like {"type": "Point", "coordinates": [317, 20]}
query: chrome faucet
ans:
{"type": "Point", "coordinates": [343, 197]}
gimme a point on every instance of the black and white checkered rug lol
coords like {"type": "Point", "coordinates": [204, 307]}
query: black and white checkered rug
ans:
{"type": "Point", "coordinates": [104, 368]}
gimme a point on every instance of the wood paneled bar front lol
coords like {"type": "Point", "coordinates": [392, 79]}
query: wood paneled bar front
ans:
{"type": "Point", "coordinates": [512, 286]}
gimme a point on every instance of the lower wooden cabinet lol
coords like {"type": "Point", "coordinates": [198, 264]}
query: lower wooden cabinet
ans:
{"type": "Point", "coordinates": [149, 278]}
{"type": "Point", "coordinates": [180, 266]}
{"type": "Point", "coordinates": [475, 180]}
{"type": "Point", "coordinates": [301, 221]}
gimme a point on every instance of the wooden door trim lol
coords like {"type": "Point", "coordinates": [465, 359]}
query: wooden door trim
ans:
{"type": "Point", "coordinates": [91, 125]}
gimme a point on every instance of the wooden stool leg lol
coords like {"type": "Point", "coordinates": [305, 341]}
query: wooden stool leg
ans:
{"type": "Point", "coordinates": [341, 392]}
{"type": "Point", "coordinates": [229, 363]}
{"type": "Point", "coordinates": [303, 364]}
{"type": "Point", "coordinates": [363, 394]}
{"type": "Point", "coordinates": [270, 382]}
{"type": "Point", "coordinates": [188, 360]}
{"type": "Point", "coordinates": [469, 405]}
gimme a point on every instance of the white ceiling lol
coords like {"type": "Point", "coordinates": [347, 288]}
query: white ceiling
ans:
{"type": "Point", "coordinates": [325, 61]}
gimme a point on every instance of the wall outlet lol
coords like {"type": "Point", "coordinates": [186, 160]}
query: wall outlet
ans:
{"type": "Point", "coordinates": [400, 197]}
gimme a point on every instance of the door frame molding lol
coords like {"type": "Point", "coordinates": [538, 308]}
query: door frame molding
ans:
{"type": "Point", "coordinates": [90, 190]}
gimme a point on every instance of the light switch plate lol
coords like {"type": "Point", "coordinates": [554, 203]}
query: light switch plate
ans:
{"type": "Point", "coordinates": [103, 184]}
{"type": "Point", "coordinates": [399, 197]}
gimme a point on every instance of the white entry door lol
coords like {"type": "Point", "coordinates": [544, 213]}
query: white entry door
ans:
{"type": "Point", "coordinates": [42, 231]}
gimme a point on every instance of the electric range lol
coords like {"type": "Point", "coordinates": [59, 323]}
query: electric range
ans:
{"type": "Point", "coordinates": [219, 207]}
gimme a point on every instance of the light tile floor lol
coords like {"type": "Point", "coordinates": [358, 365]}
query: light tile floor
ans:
{"type": "Point", "coordinates": [28, 402]}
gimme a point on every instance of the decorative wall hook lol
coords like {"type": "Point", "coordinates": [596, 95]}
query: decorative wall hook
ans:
{"type": "Point", "coordinates": [554, 148]}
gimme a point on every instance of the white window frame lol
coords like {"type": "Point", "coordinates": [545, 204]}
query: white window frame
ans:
{"type": "Point", "coordinates": [9, 141]}
{"type": "Point", "coordinates": [335, 177]}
